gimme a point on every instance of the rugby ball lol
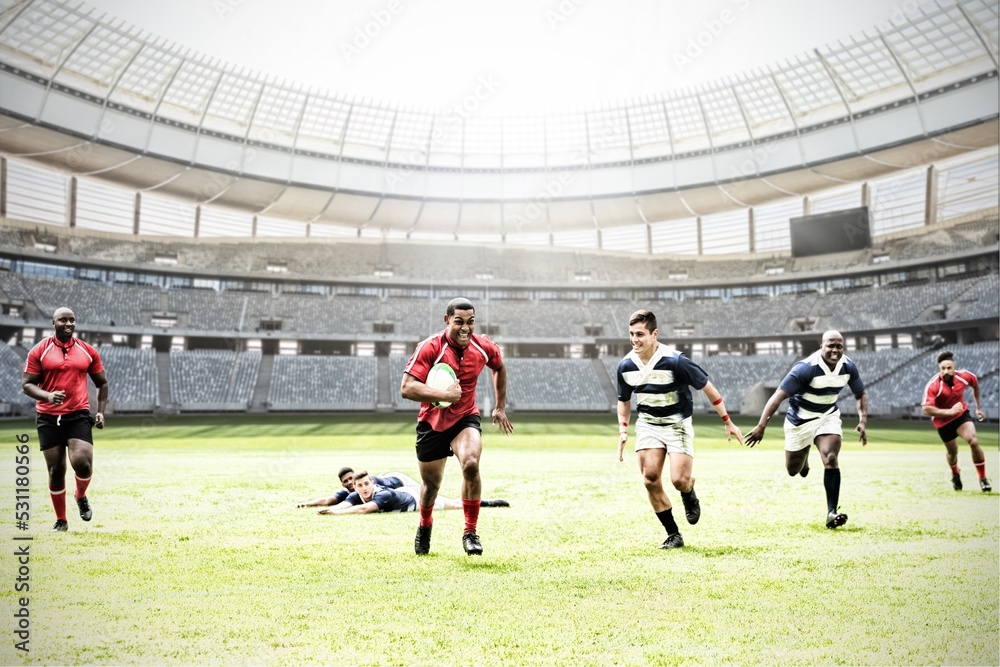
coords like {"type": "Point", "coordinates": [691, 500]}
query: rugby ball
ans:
{"type": "Point", "coordinates": [440, 377]}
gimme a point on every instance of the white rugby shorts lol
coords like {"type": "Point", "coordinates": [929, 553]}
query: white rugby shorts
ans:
{"type": "Point", "coordinates": [677, 437]}
{"type": "Point", "coordinates": [405, 479]}
{"type": "Point", "coordinates": [799, 437]}
{"type": "Point", "coordinates": [415, 492]}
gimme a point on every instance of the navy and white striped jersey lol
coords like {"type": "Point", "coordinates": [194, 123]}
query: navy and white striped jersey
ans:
{"type": "Point", "coordinates": [813, 387]}
{"type": "Point", "coordinates": [661, 387]}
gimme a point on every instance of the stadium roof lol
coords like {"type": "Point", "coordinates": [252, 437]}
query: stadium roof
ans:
{"type": "Point", "coordinates": [93, 98]}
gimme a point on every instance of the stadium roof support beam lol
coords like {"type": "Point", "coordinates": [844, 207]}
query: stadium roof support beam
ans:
{"type": "Point", "coordinates": [843, 98]}
{"type": "Point", "coordinates": [3, 186]}
{"type": "Point", "coordinates": [979, 33]}
{"type": "Point", "coordinates": [59, 68]}
{"type": "Point", "coordinates": [791, 116]}
{"type": "Point", "coordinates": [909, 82]}
{"type": "Point", "coordinates": [931, 199]}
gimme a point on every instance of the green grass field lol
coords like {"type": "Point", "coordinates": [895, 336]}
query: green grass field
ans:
{"type": "Point", "coordinates": [197, 555]}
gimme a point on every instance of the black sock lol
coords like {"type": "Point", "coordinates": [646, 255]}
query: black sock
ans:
{"type": "Point", "coordinates": [831, 481]}
{"type": "Point", "coordinates": [666, 517]}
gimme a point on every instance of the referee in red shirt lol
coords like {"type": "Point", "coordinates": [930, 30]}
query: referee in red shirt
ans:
{"type": "Point", "coordinates": [944, 402]}
{"type": "Point", "coordinates": [55, 375]}
{"type": "Point", "coordinates": [455, 430]}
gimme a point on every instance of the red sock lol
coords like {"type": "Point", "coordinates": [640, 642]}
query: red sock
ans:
{"type": "Point", "coordinates": [59, 503]}
{"type": "Point", "coordinates": [471, 509]}
{"type": "Point", "coordinates": [955, 470]}
{"type": "Point", "coordinates": [981, 469]}
{"type": "Point", "coordinates": [81, 486]}
{"type": "Point", "coordinates": [426, 516]}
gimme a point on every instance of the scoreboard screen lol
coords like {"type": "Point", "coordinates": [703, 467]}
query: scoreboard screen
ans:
{"type": "Point", "coordinates": [836, 231]}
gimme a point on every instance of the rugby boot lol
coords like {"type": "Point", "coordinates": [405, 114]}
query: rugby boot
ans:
{"type": "Point", "coordinates": [984, 484]}
{"type": "Point", "coordinates": [471, 544]}
{"type": "Point", "coordinates": [835, 519]}
{"type": "Point", "coordinates": [60, 526]}
{"type": "Point", "coordinates": [675, 541]}
{"type": "Point", "coordinates": [692, 508]}
{"type": "Point", "coordinates": [956, 481]}
{"type": "Point", "coordinates": [85, 511]}
{"type": "Point", "coordinates": [422, 543]}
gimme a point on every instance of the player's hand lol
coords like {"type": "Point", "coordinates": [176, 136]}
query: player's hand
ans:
{"type": "Point", "coordinates": [453, 394]}
{"type": "Point", "coordinates": [956, 409]}
{"type": "Point", "coordinates": [99, 420]}
{"type": "Point", "coordinates": [325, 511]}
{"type": "Point", "coordinates": [755, 435]}
{"type": "Point", "coordinates": [501, 421]}
{"type": "Point", "coordinates": [860, 428]}
{"type": "Point", "coordinates": [300, 505]}
{"type": "Point", "coordinates": [733, 430]}
{"type": "Point", "coordinates": [979, 415]}
{"type": "Point", "coordinates": [622, 439]}
{"type": "Point", "coordinates": [57, 397]}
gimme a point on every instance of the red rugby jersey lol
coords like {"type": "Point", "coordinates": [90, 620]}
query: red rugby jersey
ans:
{"type": "Point", "coordinates": [63, 367]}
{"type": "Point", "coordinates": [939, 394]}
{"type": "Point", "coordinates": [480, 352]}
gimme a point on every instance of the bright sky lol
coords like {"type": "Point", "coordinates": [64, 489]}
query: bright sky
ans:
{"type": "Point", "coordinates": [534, 54]}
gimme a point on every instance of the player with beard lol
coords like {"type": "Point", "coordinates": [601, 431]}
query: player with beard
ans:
{"type": "Point", "coordinates": [944, 402]}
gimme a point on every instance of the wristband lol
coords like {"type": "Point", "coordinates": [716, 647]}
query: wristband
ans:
{"type": "Point", "coordinates": [725, 417]}
{"type": "Point", "coordinates": [717, 401]}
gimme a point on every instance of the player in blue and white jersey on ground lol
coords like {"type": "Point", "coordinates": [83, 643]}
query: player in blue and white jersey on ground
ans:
{"type": "Point", "coordinates": [812, 387]}
{"type": "Point", "coordinates": [660, 380]}
{"type": "Point", "coordinates": [390, 480]}
{"type": "Point", "coordinates": [369, 497]}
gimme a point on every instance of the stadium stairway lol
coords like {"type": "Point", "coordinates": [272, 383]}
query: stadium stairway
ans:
{"type": "Point", "coordinates": [607, 386]}
{"type": "Point", "coordinates": [163, 378]}
{"type": "Point", "coordinates": [384, 402]}
{"type": "Point", "coordinates": [258, 402]}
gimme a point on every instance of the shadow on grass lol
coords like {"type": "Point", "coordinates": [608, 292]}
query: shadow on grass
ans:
{"type": "Point", "coordinates": [716, 552]}
{"type": "Point", "coordinates": [486, 564]}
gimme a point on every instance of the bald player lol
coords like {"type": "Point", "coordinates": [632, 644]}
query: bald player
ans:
{"type": "Point", "coordinates": [55, 375]}
{"type": "Point", "coordinates": [813, 418]}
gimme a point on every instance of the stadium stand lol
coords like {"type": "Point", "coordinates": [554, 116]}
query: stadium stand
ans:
{"type": "Point", "coordinates": [12, 399]}
{"type": "Point", "coordinates": [132, 379]}
{"type": "Point", "coordinates": [312, 383]}
{"type": "Point", "coordinates": [212, 380]}
{"type": "Point", "coordinates": [553, 385]}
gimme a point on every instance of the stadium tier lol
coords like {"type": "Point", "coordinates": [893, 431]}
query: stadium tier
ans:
{"type": "Point", "coordinates": [349, 259]}
{"type": "Point", "coordinates": [217, 380]}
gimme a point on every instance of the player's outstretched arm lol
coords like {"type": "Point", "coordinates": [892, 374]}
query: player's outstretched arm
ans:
{"type": "Point", "coordinates": [715, 398]}
{"type": "Point", "coordinates": [862, 418]}
{"type": "Point", "coordinates": [624, 412]}
{"type": "Point", "coordinates": [319, 502]}
{"type": "Point", "coordinates": [979, 411]}
{"type": "Point", "coordinates": [347, 508]}
{"type": "Point", "coordinates": [101, 382]}
{"type": "Point", "coordinates": [756, 434]}
{"type": "Point", "coordinates": [500, 411]}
